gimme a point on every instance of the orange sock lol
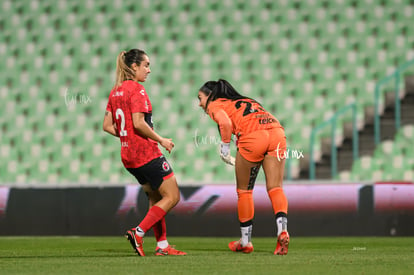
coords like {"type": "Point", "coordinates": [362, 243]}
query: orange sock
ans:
{"type": "Point", "coordinates": [278, 199]}
{"type": "Point", "coordinates": [245, 205]}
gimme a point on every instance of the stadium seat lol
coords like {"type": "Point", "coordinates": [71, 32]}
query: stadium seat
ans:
{"type": "Point", "coordinates": [391, 157]}
{"type": "Point", "coordinates": [302, 59]}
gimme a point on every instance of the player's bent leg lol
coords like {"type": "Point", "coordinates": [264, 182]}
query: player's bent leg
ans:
{"type": "Point", "coordinates": [154, 196]}
{"type": "Point", "coordinates": [170, 194]}
{"type": "Point", "coordinates": [274, 169]}
{"type": "Point", "coordinates": [134, 239]}
{"type": "Point", "coordinates": [246, 173]}
{"type": "Point", "coordinates": [155, 212]}
{"type": "Point", "coordinates": [160, 229]}
{"type": "Point", "coordinates": [135, 235]}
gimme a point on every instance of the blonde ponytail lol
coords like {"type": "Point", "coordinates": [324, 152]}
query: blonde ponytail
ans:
{"type": "Point", "coordinates": [123, 72]}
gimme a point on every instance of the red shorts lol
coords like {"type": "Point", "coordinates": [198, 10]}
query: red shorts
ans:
{"type": "Point", "coordinates": [254, 146]}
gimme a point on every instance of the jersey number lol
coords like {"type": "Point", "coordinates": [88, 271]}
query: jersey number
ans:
{"type": "Point", "coordinates": [120, 114]}
{"type": "Point", "coordinates": [248, 109]}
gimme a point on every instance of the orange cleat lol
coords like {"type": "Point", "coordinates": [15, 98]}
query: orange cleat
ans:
{"type": "Point", "coordinates": [170, 250]}
{"type": "Point", "coordinates": [136, 241]}
{"type": "Point", "coordinates": [282, 244]}
{"type": "Point", "coordinates": [237, 247]}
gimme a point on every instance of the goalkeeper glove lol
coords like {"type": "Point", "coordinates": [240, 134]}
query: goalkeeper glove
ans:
{"type": "Point", "coordinates": [225, 153]}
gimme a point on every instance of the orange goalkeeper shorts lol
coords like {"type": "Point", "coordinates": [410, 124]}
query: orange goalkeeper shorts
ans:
{"type": "Point", "coordinates": [254, 146]}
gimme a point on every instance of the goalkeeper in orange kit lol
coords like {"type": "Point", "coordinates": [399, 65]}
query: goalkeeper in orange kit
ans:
{"type": "Point", "coordinates": [261, 141]}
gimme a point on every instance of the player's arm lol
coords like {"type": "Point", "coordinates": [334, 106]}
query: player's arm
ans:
{"type": "Point", "coordinates": [226, 129]}
{"type": "Point", "coordinates": [146, 131]}
{"type": "Point", "coordinates": [108, 124]}
{"type": "Point", "coordinates": [224, 123]}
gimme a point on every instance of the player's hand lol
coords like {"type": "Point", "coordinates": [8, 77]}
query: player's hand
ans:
{"type": "Point", "coordinates": [167, 144]}
{"type": "Point", "coordinates": [225, 153]}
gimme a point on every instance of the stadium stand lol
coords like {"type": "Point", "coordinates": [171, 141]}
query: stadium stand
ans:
{"type": "Point", "coordinates": [391, 160]}
{"type": "Point", "coordinates": [302, 59]}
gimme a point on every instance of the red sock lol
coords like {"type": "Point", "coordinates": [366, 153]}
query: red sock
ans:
{"type": "Point", "coordinates": [160, 230]}
{"type": "Point", "coordinates": [154, 215]}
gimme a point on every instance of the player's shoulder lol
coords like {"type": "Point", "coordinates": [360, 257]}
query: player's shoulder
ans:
{"type": "Point", "coordinates": [136, 87]}
{"type": "Point", "coordinates": [133, 88]}
{"type": "Point", "coordinates": [218, 104]}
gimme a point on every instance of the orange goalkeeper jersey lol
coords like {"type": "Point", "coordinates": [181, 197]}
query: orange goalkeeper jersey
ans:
{"type": "Point", "coordinates": [240, 117]}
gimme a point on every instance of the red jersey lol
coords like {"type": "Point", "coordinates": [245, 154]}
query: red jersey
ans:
{"type": "Point", "coordinates": [123, 101]}
{"type": "Point", "coordinates": [239, 117]}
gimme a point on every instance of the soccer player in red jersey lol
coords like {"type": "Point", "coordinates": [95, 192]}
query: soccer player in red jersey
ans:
{"type": "Point", "coordinates": [129, 116]}
{"type": "Point", "coordinates": [261, 141]}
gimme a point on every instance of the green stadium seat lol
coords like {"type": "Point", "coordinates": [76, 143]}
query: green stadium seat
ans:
{"type": "Point", "coordinates": [309, 56]}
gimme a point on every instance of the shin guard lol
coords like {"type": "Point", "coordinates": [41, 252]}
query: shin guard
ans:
{"type": "Point", "coordinates": [279, 200]}
{"type": "Point", "coordinates": [245, 205]}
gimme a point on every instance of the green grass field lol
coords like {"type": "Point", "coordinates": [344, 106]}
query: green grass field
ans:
{"type": "Point", "coordinates": [113, 255]}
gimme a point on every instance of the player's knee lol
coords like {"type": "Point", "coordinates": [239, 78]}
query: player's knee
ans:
{"type": "Point", "coordinates": [173, 198]}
